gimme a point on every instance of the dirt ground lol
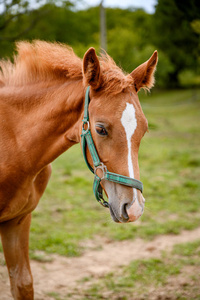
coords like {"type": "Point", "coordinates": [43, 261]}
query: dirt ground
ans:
{"type": "Point", "coordinates": [62, 274]}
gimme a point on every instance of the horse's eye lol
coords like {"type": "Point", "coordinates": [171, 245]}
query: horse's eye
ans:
{"type": "Point", "coordinates": [101, 130]}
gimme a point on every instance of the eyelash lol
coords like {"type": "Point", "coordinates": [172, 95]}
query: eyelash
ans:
{"type": "Point", "coordinates": [101, 130]}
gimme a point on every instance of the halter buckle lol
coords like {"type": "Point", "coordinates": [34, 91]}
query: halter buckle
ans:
{"type": "Point", "coordinates": [103, 168]}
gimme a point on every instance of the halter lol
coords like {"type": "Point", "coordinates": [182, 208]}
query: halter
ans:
{"type": "Point", "coordinates": [86, 140]}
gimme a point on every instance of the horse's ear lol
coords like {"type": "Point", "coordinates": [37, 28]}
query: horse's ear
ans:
{"type": "Point", "coordinates": [143, 75]}
{"type": "Point", "coordinates": [91, 69]}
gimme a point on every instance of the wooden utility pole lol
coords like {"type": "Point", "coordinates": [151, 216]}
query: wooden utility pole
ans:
{"type": "Point", "coordinates": [103, 43]}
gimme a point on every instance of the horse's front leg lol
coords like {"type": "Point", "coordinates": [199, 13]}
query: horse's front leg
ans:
{"type": "Point", "coordinates": [15, 241]}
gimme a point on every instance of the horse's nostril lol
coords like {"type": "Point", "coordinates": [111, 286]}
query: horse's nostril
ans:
{"type": "Point", "coordinates": [124, 212]}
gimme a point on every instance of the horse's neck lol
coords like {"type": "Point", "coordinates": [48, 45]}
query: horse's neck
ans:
{"type": "Point", "coordinates": [44, 120]}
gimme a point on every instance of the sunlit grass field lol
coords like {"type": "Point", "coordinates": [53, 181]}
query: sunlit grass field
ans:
{"type": "Point", "coordinates": [169, 159]}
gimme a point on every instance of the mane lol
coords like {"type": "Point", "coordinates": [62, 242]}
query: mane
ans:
{"type": "Point", "coordinates": [40, 61]}
{"type": "Point", "coordinates": [114, 79]}
{"type": "Point", "coordinates": [43, 61]}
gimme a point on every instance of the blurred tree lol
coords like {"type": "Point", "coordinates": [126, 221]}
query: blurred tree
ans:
{"type": "Point", "coordinates": [176, 35]}
{"type": "Point", "coordinates": [132, 34]}
{"type": "Point", "coordinates": [13, 11]}
{"type": "Point", "coordinates": [13, 24]}
{"type": "Point", "coordinates": [129, 37]}
{"type": "Point", "coordinates": [20, 18]}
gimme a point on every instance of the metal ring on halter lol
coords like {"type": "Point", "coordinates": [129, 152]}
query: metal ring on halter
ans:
{"type": "Point", "coordinates": [103, 168]}
{"type": "Point", "coordinates": [88, 127]}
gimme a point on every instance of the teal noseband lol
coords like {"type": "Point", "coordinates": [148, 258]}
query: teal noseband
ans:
{"type": "Point", "coordinates": [86, 140]}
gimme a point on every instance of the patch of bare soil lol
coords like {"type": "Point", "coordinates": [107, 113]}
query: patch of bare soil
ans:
{"type": "Point", "coordinates": [62, 275]}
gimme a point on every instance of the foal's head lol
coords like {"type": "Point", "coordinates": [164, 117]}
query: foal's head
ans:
{"type": "Point", "coordinates": [117, 125]}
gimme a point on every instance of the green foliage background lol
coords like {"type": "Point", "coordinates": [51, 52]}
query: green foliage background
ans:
{"type": "Point", "coordinates": [132, 34]}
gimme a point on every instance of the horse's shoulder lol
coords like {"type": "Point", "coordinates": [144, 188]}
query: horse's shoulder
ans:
{"type": "Point", "coordinates": [19, 197]}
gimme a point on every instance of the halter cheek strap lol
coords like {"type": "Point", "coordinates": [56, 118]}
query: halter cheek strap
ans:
{"type": "Point", "coordinates": [87, 141]}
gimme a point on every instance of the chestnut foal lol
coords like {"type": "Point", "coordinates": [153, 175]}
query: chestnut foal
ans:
{"type": "Point", "coordinates": [41, 111]}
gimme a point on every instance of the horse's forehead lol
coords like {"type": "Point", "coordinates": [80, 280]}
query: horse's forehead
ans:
{"type": "Point", "coordinates": [120, 109]}
{"type": "Point", "coordinates": [113, 103]}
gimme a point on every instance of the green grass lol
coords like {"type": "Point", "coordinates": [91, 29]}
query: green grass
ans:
{"type": "Point", "coordinates": [170, 170]}
{"type": "Point", "coordinates": [141, 273]}
{"type": "Point", "coordinates": [153, 271]}
{"type": "Point", "coordinates": [188, 249]}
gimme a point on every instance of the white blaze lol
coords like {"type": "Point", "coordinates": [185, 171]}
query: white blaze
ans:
{"type": "Point", "coordinates": [129, 122]}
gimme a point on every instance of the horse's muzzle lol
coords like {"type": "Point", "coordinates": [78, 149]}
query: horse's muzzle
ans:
{"type": "Point", "coordinates": [127, 212]}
